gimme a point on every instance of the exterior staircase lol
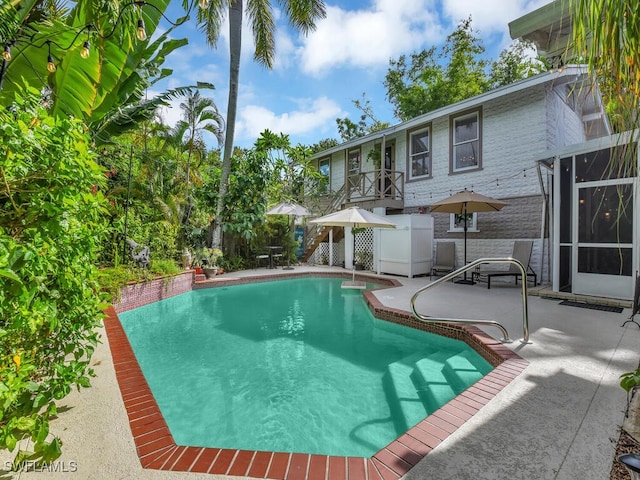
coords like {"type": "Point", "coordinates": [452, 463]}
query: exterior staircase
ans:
{"type": "Point", "coordinates": [316, 234]}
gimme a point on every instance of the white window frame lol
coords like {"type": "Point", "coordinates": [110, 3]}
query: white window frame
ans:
{"type": "Point", "coordinates": [413, 155]}
{"type": "Point", "coordinates": [322, 162]}
{"type": "Point", "coordinates": [456, 225]}
{"type": "Point", "coordinates": [454, 145]}
{"type": "Point", "coordinates": [356, 154]}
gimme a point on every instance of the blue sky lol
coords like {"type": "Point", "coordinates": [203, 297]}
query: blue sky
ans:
{"type": "Point", "coordinates": [316, 78]}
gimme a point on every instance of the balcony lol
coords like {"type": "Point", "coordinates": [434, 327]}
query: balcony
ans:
{"type": "Point", "coordinates": [378, 188]}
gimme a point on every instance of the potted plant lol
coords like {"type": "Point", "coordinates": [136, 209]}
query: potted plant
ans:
{"type": "Point", "coordinates": [211, 257]}
{"type": "Point", "coordinates": [363, 258]}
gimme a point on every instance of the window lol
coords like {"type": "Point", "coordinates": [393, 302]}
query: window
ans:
{"type": "Point", "coordinates": [353, 164]}
{"type": "Point", "coordinates": [420, 153]}
{"type": "Point", "coordinates": [325, 170]}
{"type": "Point", "coordinates": [456, 222]}
{"type": "Point", "coordinates": [465, 142]}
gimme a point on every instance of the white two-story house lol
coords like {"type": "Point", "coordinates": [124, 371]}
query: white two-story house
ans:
{"type": "Point", "coordinates": [509, 144]}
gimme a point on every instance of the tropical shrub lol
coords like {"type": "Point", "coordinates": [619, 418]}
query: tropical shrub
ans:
{"type": "Point", "coordinates": [112, 279]}
{"type": "Point", "coordinates": [51, 221]}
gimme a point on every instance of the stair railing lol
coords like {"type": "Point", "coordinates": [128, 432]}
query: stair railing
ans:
{"type": "Point", "coordinates": [313, 230]}
{"type": "Point", "coordinates": [469, 266]}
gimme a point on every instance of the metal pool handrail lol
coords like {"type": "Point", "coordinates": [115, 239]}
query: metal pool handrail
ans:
{"type": "Point", "coordinates": [469, 266]}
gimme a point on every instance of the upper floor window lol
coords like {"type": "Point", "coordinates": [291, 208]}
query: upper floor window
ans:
{"type": "Point", "coordinates": [325, 171]}
{"type": "Point", "coordinates": [353, 164]}
{"type": "Point", "coordinates": [465, 142]}
{"type": "Point", "coordinates": [420, 153]}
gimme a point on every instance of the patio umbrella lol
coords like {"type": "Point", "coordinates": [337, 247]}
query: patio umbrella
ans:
{"type": "Point", "coordinates": [288, 208]}
{"type": "Point", "coordinates": [293, 210]}
{"type": "Point", "coordinates": [353, 217]}
{"type": "Point", "coordinates": [463, 203]}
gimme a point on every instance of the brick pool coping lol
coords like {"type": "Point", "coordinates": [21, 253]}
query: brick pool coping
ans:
{"type": "Point", "coordinates": [157, 449]}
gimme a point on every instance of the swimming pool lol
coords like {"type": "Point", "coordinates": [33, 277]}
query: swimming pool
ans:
{"type": "Point", "coordinates": [333, 379]}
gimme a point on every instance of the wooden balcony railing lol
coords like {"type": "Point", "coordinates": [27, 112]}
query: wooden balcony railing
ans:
{"type": "Point", "coordinates": [375, 185]}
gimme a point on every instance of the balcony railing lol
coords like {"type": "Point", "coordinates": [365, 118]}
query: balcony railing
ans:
{"type": "Point", "coordinates": [375, 185]}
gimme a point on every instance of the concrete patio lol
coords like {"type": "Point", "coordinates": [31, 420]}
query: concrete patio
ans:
{"type": "Point", "coordinates": [558, 420]}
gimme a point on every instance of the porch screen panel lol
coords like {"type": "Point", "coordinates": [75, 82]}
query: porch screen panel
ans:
{"type": "Point", "coordinates": [605, 214]}
{"type": "Point", "coordinates": [605, 260]}
{"type": "Point", "coordinates": [606, 164]}
{"type": "Point", "coordinates": [605, 229]}
{"type": "Point", "coordinates": [566, 189]}
{"type": "Point", "coordinates": [565, 269]}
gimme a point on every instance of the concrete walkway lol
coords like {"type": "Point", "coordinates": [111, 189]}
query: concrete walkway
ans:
{"type": "Point", "coordinates": [558, 420]}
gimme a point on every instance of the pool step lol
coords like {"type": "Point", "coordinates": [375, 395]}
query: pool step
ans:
{"type": "Point", "coordinates": [419, 384]}
{"type": "Point", "coordinates": [407, 408]}
{"type": "Point", "coordinates": [433, 385]}
{"type": "Point", "coordinates": [463, 372]}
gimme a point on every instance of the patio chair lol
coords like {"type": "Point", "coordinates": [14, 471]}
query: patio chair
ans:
{"type": "Point", "coordinates": [262, 256]}
{"type": "Point", "coordinates": [522, 252]}
{"type": "Point", "coordinates": [445, 258]}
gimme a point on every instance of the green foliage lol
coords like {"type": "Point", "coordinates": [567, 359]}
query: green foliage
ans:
{"type": "Point", "coordinates": [324, 144]}
{"type": "Point", "coordinates": [51, 222]}
{"type": "Point", "coordinates": [245, 200]}
{"type": "Point", "coordinates": [630, 380]}
{"type": "Point", "coordinates": [367, 124]}
{"type": "Point", "coordinates": [432, 79]}
{"type": "Point", "coordinates": [302, 15]}
{"type": "Point", "coordinates": [234, 263]}
{"type": "Point", "coordinates": [112, 279]}
{"type": "Point", "coordinates": [606, 37]}
{"type": "Point", "coordinates": [107, 89]}
{"type": "Point", "coordinates": [516, 63]}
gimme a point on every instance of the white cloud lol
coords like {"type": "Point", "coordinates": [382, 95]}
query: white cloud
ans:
{"type": "Point", "coordinates": [311, 117]}
{"type": "Point", "coordinates": [489, 16]}
{"type": "Point", "coordinates": [369, 38]}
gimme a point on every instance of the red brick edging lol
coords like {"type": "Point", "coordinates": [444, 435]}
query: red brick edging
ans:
{"type": "Point", "coordinates": [157, 449]}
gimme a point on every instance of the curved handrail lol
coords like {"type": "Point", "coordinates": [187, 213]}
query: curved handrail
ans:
{"type": "Point", "coordinates": [469, 266]}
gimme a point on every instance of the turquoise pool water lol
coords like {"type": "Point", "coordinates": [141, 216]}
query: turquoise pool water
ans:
{"type": "Point", "coordinates": [295, 365]}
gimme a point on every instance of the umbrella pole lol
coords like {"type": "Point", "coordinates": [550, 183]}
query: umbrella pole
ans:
{"type": "Point", "coordinates": [289, 267]}
{"type": "Point", "coordinates": [464, 280]}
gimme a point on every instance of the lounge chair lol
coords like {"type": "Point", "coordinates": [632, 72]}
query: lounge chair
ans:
{"type": "Point", "coordinates": [445, 258]}
{"type": "Point", "coordinates": [522, 252]}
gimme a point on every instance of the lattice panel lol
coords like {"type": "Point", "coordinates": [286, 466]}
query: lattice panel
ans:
{"type": "Point", "coordinates": [320, 256]}
{"type": "Point", "coordinates": [364, 243]}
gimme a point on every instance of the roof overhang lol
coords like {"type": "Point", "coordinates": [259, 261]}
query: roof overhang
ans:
{"type": "Point", "coordinates": [549, 28]}
{"type": "Point", "coordinates": [570, 74]}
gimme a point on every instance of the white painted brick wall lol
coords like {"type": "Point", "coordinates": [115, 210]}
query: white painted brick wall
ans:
{"type": "Point", "coordinates": [479, 248]}
{"type": "Point", "coordinates": [517, 130]}
{"type": "Point", "coordinates": [564, 126]}
{"type": "Point", "coordinates": [513, 132]}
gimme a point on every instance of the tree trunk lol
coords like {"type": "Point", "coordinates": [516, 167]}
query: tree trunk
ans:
{"type": "Point", "coordinates": [235, 48]}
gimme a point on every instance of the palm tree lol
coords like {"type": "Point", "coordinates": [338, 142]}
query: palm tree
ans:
{"type": "Point", "coordinates": [103, 84]}
{"type": "Point", "coordinates": [606, 34]}
{"type": "Point", "coordinates": [302, 16]}
{"type": "Point", "coordinates": [199, 114]}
